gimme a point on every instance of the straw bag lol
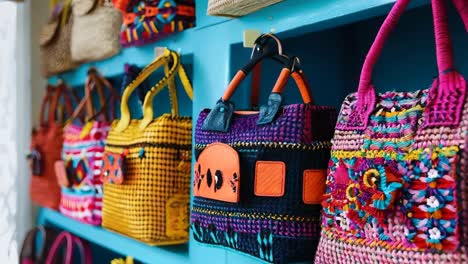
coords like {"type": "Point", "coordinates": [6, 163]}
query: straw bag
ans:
{"type": "Point", "coordinates": [237, 8]}
{"type": "Point", "coordinates": [55, 41]}
{"type": "Point", "coordinates": [68, 243]}
{"type": "Point", "coordinates": [259, 176]}
{"type": "Point", "coordinates": [396, 188]}
{"type": "Point", "coordinates": [46, 147]}
{"type": "Point", "coordinates": [147, 162]}
{"type": "Point", "coordinates": [95, 30]}
{"type": "Point", "coordinates": [79, 171]}
{"type": "Point", "coordinates": [148, 21]}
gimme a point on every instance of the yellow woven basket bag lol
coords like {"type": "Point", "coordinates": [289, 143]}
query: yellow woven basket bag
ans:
{"type": "Point", "coordinates": [147, 164]}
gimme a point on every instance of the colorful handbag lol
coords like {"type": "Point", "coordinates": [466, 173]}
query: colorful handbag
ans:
{"type": "Point", "coordinates": [55, 41]}
{"type": "Point", "coordinates": [79, 171]}
{"type": "Point", "coordinates": [237, 8]}
{"type": "Point", "coordinates": [398, 171]}
{"type": "Point", "coordinates": [46, 147]}
{"type": "Point", "coordinates": [147, 197]}
{"type": "Point", "coordinates": [30, 253]}
{"type": "Point", "coordinates": [95, 30]}
{"type": "Point", "coordinates": [148, 21]}
{"type": "Point", "coordinates": [71, 242]}
{"type": "Point", "coordinates": [259, 176]}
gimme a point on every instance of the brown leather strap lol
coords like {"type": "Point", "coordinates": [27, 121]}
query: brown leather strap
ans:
{"type": "Point", "coordinates": [55, 103]}
{"type": "Point", "coordinates": [46, 102]}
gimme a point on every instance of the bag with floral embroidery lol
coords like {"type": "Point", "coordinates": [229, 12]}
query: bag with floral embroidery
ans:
{"type": "Point", "coordinates": [397, 180]}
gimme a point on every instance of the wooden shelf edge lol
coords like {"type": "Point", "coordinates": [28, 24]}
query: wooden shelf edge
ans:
{"type": "Point", "coordinates": [115, 242]}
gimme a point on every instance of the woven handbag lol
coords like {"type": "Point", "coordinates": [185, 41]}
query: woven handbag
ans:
{"type": "Point", "coordinates": [68, 243]}
{"type": "Point", "coordinates": [148, 21]}
{"type": "Point", "coordinates": [95, 30]}
{"type": "Point", "coordinates": [79, 171]}
{"type": "Point", "coordinates": [237, 8]}
{"type": "Point", "coordinates": [397, 181]}
{"type": "Point", "coordinates": [46, 147]}
{"type": "Point", "coordinates": [55, 40]}
{"type": "Point", "coordinates": [259, 176]}
{"type": "Point", "coordinates": [146, 174]}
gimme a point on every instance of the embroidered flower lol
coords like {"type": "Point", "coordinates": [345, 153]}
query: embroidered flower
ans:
{"type": "Point", "coordinates": [343, 221]}
{"type": "Point", "coordinates": [433, 173]}
{"type": "Point", "coordinates": [433, 202]}
{"type": "Point", "coordinates": [434, 233]}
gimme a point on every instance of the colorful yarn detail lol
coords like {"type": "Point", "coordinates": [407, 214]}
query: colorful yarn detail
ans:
{"type": "Point", "coordinates": [149, 21]}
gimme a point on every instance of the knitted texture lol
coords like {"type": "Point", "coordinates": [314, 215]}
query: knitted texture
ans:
{"type": "Point", "coordinates": [148, 21]}
{"type": "Point", "coordinates": [95, 32]}
{"type": "Point", "coordinates": [151, 204]}
{"type": "Point", "coordinates": [279, 229]}
{"type": "Point", "coordinates": [83, 148]}
{"type": "Point", "coordinates": [396, 191]}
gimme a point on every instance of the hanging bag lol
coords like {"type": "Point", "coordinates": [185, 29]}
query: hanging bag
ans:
{"type": "Point", "coordinates": [55, 40]}
{"type": "Point", "coordinates": [46, 147]}
{"type": "Point", "coordinates": [68, 243]}
{"type": "Point", "coordinates": [95, 30]}
{"type": "Point", "coordinates": [259, 176]}
{"type": "Point", "coordinates": [148, 21]}
{"type": "Point", "coordinates": [147, 162]}
{"type": "Point", "coordinates": [398, 170]}
{"type": "Point", "coordinates": [79, 171]}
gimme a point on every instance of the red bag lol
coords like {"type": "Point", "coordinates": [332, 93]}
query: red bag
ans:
{"type": "Point", "coordinates": [46, 147]}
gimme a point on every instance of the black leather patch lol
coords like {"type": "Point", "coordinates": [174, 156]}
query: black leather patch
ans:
{"type": "Point", "coordinates": [269, 111]}
{"type": "Point", "coordinates": [220, 117]}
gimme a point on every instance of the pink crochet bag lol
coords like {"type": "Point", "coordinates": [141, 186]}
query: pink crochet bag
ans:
{"type": "Point", "coordinates": [398, 174]}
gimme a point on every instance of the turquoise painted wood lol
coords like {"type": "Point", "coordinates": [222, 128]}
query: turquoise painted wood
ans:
{"type": "Point", "coordinates": [330, 36]}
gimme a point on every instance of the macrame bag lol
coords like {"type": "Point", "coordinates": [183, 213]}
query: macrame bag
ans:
{"type": "Point", "coordinates": [237, 8]}
{"type": "Point", "coordinates": [146, 172]}
{"type": "Point", "coordinates": [259, 176]}
{"type": "Point", "coordinates": [79, 171]}
{"type": "Point", "coordinates": [95, 30]}
{"type": "Point", "coordinates": [46, 147]}
{"type": "Point", "coordinates": [148, 21]}
{"type": "Point", "coordinates": [397, 180]}
{"type": "Point", "coordinates": [55, 41]}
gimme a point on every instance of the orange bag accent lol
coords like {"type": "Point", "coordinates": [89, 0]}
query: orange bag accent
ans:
{"type": "Point", "coordinates": [113, 165]}
{"type": "Point", "coordinates": [270, 178]}
{"type": "Point", "coordinates": [61, 173]}
{"type": "Point", "coordinates": [151, 11]}
{"type": "Point", "coordinates": [314, 186]}
{"type": "Point", "coordinates": [240, 75]}
{"type": "Point", "coordinates": [129, 18]}
{"type": "Point", "coordinates": [185, 10]}
{"type": "Point", "coordinates": [217, 173]}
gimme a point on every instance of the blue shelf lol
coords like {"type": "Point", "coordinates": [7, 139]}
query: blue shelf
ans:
{"type": "Point", "coordinates": [113, 241]}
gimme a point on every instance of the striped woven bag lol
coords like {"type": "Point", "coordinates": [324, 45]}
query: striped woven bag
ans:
{"type": "Point", "coordinates": [397, 181]}
{"type": "Point", "coordinates": [260, 176]}
{"type": "Point", "coordinates": [79, 171]}
{"type": "Point", "coordinates": [147, 169]}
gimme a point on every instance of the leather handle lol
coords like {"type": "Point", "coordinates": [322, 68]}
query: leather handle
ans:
{"type": "Point", "coordinates": [46, 101]}
{"type": "Point", "coordinates": [60, 91]}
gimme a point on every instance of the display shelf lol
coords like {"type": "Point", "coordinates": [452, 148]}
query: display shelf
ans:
{"type": "Point", "coordinates": [113, 241]}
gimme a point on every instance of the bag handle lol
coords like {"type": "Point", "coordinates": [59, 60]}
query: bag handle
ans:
{"type": "Point", "coordinates": [95, 82]}
{"type": "Point", "coordinates": [62, 237]}
{"type": "Point", "coordinates": [143, 75]}
{"type": "Point", "coordinates": [28, 249]}
{"type": "Point", "coordinates": [452, 82]}
{"type": "Point", "coordinates": [462, 7]}
{"type": "Point", "coordinates": [84, 249]}
{"type": "Point", "coordinates": [52, 99]}
{"type": "Point", "coordinates": [169, 79]}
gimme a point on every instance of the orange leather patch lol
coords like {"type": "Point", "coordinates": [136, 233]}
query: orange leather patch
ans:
{"type": "Point", "coordinates": [270, 178]}
{"type": "Point", "coordinates": [217, 173]}
{"type": "Point", "coordinates": [314, 186]}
